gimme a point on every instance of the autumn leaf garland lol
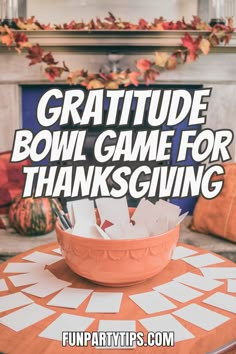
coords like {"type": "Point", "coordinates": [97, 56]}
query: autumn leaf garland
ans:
{"type": "Point", "coordinates": [146, 70]}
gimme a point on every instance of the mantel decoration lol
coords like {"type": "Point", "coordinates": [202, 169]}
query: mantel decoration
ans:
{"type": "Point", "coordinates": [146, 70]}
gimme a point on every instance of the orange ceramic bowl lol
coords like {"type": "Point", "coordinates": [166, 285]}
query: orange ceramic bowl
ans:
{"type": "Point", "coordinates": [117, 262]}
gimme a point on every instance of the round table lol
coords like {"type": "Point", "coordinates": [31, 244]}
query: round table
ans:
{"type": "Point", "coordinates": [27, 340]}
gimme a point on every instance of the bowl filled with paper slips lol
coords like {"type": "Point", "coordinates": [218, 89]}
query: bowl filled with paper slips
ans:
{"type": "Point", "coordinates": [114, 245]}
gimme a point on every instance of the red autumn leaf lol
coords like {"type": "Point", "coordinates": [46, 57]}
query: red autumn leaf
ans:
{"type": "Point", "coordinates": [150, 76]}
{"type": "Point", "coordinates": [143, 65]}
{"type": "Point", "coordinates": [142, 24]}
{"type": "Point", "coordinates": [35, 54]}
{"type": "Point", "coordinates": [54, 71]}
{"type": "Point", "coordinates": [91, 25]}
{"type": "Point", "coordinates": [49, 59]}
{"type": "Point", "coordinates": [20, 37]}
{"type": "Point", "coordinates": [192, 46]}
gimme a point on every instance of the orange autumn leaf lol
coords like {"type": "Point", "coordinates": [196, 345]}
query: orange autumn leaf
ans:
{"type": "Point", "coordinates": [204, 45]}
{"type": "Point", "coordinates": [7, 39]}
{"type": "Point", "coordinates": [231, 22]}
{"type": "Point", "coordinates": [161, 59]}
{"type": "Point", "coordinates": [143, 65]}
{"type": "Point", "coordinates": [95, 84]}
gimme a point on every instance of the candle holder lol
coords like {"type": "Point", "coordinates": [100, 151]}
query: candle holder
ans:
{"type": "Point", "coordinates": [217, 12]}
{"type": "Point", "coordinates": [9, 12]}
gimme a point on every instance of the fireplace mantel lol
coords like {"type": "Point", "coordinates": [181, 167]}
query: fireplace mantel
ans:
{"type": "Point", "coordinates": [89, 50]}
{"type": "Point", "coordinates": [126, 41]}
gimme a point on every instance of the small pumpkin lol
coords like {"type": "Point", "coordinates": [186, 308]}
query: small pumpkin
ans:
{"type": "Point", "coordinates": [32, 216]}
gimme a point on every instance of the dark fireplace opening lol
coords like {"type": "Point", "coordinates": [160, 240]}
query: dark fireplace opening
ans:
{"type": "Point", "coordinates": [31, 95]}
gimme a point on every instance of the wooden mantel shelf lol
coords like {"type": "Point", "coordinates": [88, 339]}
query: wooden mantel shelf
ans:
{"type": "Point", "coordinates": [116, 40]}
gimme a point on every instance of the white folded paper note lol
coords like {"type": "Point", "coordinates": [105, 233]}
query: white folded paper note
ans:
{"type": "Point", "coordinates": [25, 317]}
{"type": "Point", "coordinates": [23, 267]}
{"type": "Point", "coordinates": [231, 286]}
{"type": "Point", "coordinates": [66, 323]}
{"type": "Point", "coordinates": [104, 302]}
{"type": "Point", "coordinates": [222, 301]}
{"type": "Point", "coordinates": [117, 326]}
{"type": "Point", "coordinates": [127, 231]}
{"type": "Point", "coordinates": [82, 210]}
{"type": "Point", "coordinates": [182, 252]}
{"type": "Point", "coordinates": [3, 285]}
{"type": "Point", "coordinates": [43, 258]}
{"type": "Point", "coordinates": [102, 233]}
{"type": "Point", "coordinates": [31, 278]}
{"type": "Point", "coordinates": [114, 210]}
{"type": "Point", "coordinates": [201, 316]}
{"type": "Point", "coordinates": [85, 230]}
{"type": "Point", "coordinates": [219, 272]}
{"type": "Point", "coordinates": [160, 226]}
{"type": "Point", "coordinates": [12, 301]}
{"type": "Point", "coordinates": [203, 260]}
{"type": "Point", "coordinates": [46, 287]}
{"type": "Point", "coordinates": [70, 298]}
{"type": "Point", "coordinates": [152, 302]}
{"type": "Point", "coordinates": [177, 291]}
{"type": "Point", "coordinates": [145, 213]}
{"type": "Point", "coordinates": [198, 281]}
{"type": "Point", "coordinates": [166, 323]}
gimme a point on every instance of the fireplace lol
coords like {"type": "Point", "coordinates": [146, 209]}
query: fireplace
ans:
{"type": "Point", "coordinates": [31, 95]}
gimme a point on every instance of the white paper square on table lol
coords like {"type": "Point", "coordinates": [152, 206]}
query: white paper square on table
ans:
{"type": "Point", "coordinates": [12, 301]}
{"type": "Point", "coordinates": [167, 323]}
{"type": "Point", "coordinates": [177, 291]}
{"type": "Point", "coordinates": [70, 297]}
{"type": "Point", "coordinates": [201, 316]}
{"type": "Point", "coordinates": [198, 281]}
{"type": "Point", "coordinates": [3, 285]}
{"type": "Point", "coordinates": [66, 323]}
{"type": "Point", "coordinates": [42, 258]}
{"type": "Point", "coordinates": [231, 285]}
{"type": "Point", "coordinates": [219, 272]}
{"type": "Point", "coordinates": [23, 267]}
{"type": "Point", "coordinates": [25, 317]}
{"type": "Point", "coordinates": [31, 278]}
{"type": "Point", "coordinates": [203, 260]}
{"type": "Point", "coordinates": [152, 302]}
{"type": "Point", "coordinates": [117, 326]}
{"type": "Point", "coordinates": [46, 287]}
{"type": "Point", "coordinates": [57, 250]}
{"type": "Point", "coordinates": [182, 252]}
{"type": "Point", "coordinates": [104, 302]}
{"type": "Point", "coordinates": [222, 301]}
